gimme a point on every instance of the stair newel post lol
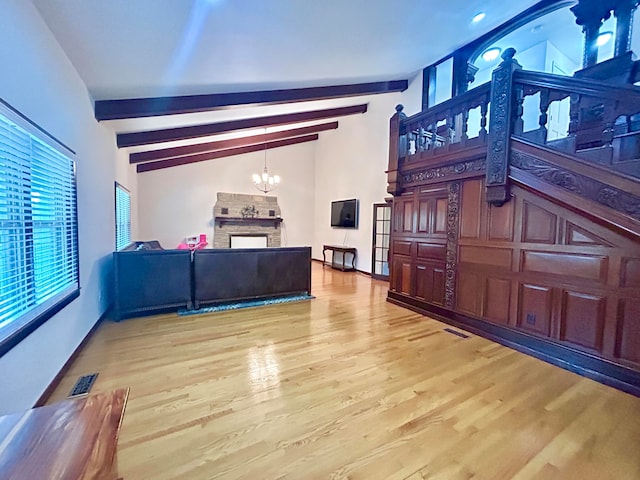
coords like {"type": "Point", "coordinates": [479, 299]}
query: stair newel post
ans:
{"type": "Point", "coordinates": [397, 149]}
{"type": "Point", "coordinates": [502, 117]}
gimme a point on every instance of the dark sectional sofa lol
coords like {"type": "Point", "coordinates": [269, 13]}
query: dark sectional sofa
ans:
{"type": "Point", "coordinates": [148, 279]}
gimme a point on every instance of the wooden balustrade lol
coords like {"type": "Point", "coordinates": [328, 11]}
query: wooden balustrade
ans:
{"type": "Point", "coordinates": [599, 117]}
{"type": "Point", "coordinates": [445, 127]}
{"type": "Point", "coordinates": [601, 123]}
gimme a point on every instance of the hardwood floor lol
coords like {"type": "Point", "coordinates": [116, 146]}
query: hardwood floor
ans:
{"type": "Point", "coordinates": [349, 386]}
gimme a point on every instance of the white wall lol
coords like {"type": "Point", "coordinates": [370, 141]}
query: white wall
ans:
{"type": "Point", "coordinates": [38, 80]}
{"type": "Point", "coordinates": [351, 163]}
{"type": "Point", "coordinates": [178, 202]}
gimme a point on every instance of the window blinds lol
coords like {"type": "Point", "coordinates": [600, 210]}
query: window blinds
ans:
{"type": "Point", "coordinates": [38, 226]}
{"type": "Point", "coordinates": [123, 217]}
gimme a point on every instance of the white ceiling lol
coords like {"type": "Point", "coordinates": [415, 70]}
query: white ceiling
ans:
{"type": "Point", "coordinates": [144, 48]}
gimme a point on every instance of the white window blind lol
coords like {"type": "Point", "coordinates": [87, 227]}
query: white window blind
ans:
{"type": "Point", "coordinates": [38, 226]}
{"type": "Point", "coordinates": [123, 217]}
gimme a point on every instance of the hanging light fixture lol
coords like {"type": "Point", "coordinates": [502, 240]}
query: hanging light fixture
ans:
{"type": "Point", "coordinates": [265, 182]}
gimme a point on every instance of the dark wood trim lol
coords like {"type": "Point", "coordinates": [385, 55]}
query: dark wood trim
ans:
{"type": "Point", "coordinates": [582, 86]}
{"type": "Point", "coordinates": [231, 143]}
{"type": "Point", "coordinates": [589, 366]}
{"type": "Point", "coordinates": [264, 221]}
{"type": "Point", "coordinates": [202, 157]}
{"type": "Point", "coordinates": [357, 271]}
{"type": "Point", "coordinates": [36, 126]}
{"type": "Point", "coordinates": [17, 335]}
{"type": "Point", "coordinates": [428, 87]}
{"type": "Point", "coordinates": [133, 139]}
{"type": "Point", "coordinates": [65, 368]}
{"type": "Point", "coordinates": [150, 107]}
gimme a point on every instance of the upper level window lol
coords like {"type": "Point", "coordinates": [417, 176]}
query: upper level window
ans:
{"type": "Point", "coordinates": [123, 217]}
{"type": "Point", "coordinates": [38, 228]}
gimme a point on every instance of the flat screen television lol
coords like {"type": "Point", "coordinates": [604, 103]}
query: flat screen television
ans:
{"type": "Point", "coordinates": [344, 213]}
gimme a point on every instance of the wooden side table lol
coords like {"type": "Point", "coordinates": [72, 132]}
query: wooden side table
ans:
{"type": "Point", "coordinates": [73, 439]}
{"type": "Point", "coordinates": [344, 251]}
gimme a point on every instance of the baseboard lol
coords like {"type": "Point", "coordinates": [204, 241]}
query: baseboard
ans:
{"type": "Point", "coordinates": [359, 271]}
{"type": "Point", "coordinates": [65, 368]}
{"type": "Point", "coordinates": [590, 366]}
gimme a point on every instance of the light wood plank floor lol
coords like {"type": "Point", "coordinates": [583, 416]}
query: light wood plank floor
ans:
{"type": "Point", "coordinates": [349, 386]}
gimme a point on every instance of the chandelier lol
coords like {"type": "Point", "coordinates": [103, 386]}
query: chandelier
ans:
{"type": "Point", "coordinates": [265, 182]}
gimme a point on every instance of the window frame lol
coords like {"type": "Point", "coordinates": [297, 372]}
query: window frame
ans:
{"type": "Point", "coordinates": [119, 186]}
{"type": "Point", "coordinates": [21, 327]}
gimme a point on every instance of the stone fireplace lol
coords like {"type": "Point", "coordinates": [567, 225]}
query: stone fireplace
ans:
{"type": "Point", "coordinates": [246, 216]}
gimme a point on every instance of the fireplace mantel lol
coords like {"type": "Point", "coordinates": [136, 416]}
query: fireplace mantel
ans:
{"type": "Point", "coordinates": [263, 221]}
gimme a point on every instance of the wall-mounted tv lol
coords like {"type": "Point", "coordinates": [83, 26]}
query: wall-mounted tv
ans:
{"type": "Point", "coordinates": [344, 213]}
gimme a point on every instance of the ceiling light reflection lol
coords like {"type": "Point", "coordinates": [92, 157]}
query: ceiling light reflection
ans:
{"type": "Point", "coordinates": [491, 54]}
{"type": "Point", "coordinates": [603, 38]}
{"type": "Point", "coordinates": [264, 372]}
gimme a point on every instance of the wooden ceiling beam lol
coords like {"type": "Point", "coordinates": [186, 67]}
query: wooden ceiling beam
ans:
{"type": "Point", "coordinates": [150, 155]}
{"type": "Point", "coordinates": [202, 157]}
{"type": "Point", "coordinates": [151, 107]}
{"type": "Point", "coordinates": [134, 139]}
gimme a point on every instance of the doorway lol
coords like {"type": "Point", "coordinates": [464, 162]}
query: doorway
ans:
{"type": "Point", "coordinates": [381, 236]}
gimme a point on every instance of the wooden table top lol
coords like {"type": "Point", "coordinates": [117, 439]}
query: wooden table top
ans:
{"type": "Point", "coordinates": [74, 439]}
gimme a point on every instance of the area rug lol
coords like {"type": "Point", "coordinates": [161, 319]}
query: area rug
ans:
{"type": "Point", "coordinates": [246, 304]}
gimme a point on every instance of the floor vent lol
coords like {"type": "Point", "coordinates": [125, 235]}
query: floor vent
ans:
{"type": "Point", "coordinates": [83, 385]}
{"type": "Point", "coordinates": [460, 334]}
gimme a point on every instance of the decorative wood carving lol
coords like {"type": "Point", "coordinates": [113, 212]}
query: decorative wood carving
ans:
{"type": "Point", "coordinates": [453, 222]}
{"type": "Point", "coordinates": [502, 101]}
{"type": "Point", "coordinates": [443, 173]}
{"type": "Point", "coordinates": [586, 187]}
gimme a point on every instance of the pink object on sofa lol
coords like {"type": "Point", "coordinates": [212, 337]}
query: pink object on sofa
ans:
{"type": "Point", "coordinates": [194, 243]}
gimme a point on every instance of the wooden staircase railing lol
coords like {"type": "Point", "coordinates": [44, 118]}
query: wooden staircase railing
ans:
{"type": "Point", "coordinates": [601, 125]}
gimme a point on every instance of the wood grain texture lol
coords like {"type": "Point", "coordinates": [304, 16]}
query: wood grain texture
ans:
{"type": "Point", "coordinates": [349, 386]}
{"type": "Point", "coordinates": [71, 440]}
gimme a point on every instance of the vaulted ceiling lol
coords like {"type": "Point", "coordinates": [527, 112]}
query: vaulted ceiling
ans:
{"type": "Point", "coordinates": [126, 49]}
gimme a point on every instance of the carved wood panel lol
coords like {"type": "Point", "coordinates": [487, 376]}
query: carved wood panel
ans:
{"type": "Point", "coordinates": [468, 293]}
{"type": "Point", "coordinates": [430, 282]}
{"type": "Point", "coordinates": [471, 204]}
{"type": "Point", "coordinates": [534, 312]}
{"type": "Point", "coordinates": [539, 225]}
{"type": "Point", "coordinates": [440, 216]}
{"type": "Point", "coordinates": [582, 319]}
{"type": "Point", "coordinates": [501, 222]}
{"type": "Point", "coordinates": [497, 300]}
{"type": "Point", "coordinates": [531, 265]}
{"type": "Point", "coordinates": [628, 332]}
{"type": "Point", "coordinates": [401, 274]}
{"type": "Point", "coordinates": [423, 215]}
{"type": "Point", "coordinates": [407, 216]}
